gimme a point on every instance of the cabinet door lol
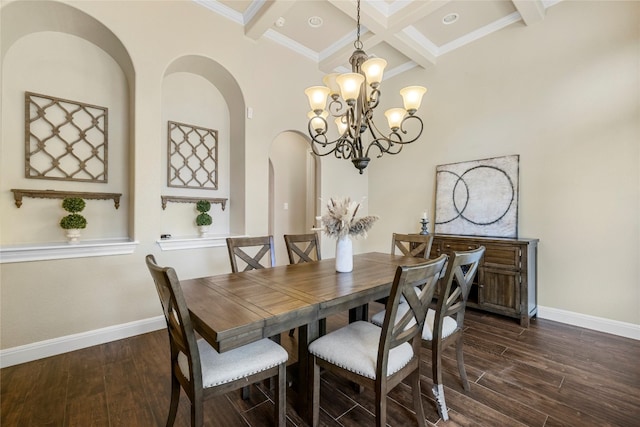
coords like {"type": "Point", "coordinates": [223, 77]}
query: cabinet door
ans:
{"type": "Point", "coordinates": [499, 291]}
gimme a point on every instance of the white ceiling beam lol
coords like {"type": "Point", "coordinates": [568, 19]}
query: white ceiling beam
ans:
{"type": "Point", "coordinates": [531, 11]}
{"type": "Point", "coordinates": [264, 18]}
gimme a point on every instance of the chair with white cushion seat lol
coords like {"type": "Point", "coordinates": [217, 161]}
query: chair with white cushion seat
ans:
{"type": "Point", "coordinates": [447, 322]}
{"type": "Point", "coordinates": [199, 369]}
{"type": "Point", "coordinates": [443, 326]}
{"type": "Point", "coordinates": [302, 247]}
{"type": "Point", "coordinates": [381, 357]}
{"type": "Point", "coordinates": [252, 252]}
{"type": "Point", "coordinates": [412, 244]}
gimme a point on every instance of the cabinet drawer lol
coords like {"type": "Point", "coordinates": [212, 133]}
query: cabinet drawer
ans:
{"type": "Point", "coordinates": [448, 247]}
{"type": "Point", "coordinates": [503, 256]}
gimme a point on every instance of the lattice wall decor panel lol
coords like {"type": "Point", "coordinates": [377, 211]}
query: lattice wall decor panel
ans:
{"type": "Point", "coordinates": [65, 140]}
{"type": "Point", "coordinates": [193, 156]}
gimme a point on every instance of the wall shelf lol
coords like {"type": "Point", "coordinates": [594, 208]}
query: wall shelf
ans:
{"type": "Point", "coordinates": [184, 199]}
{"type": "Point", "coordinates": [18, 194]}
{"type": "Point", "coordinates": [64, 250]}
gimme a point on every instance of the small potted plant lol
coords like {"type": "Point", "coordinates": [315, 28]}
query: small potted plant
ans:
{"type": "Point", "coordinates": [203, 220]}
{"type": "Point", "coordinates": [73, 222]}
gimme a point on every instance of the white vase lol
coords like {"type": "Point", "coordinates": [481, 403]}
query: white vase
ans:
{"type": "Point", "coordinates": [344, 255]}
{"type": "Point", "coordinates": [203, 229]}
{"type": "Point", "coordinates": [73, 235]}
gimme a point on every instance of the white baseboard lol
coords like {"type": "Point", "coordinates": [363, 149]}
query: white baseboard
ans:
{"type": "Point", "coordinates": [27, 353]}
{"type": "Point", "coordinates": [39, 350]}
{"type": "Point", "coordinates": [615, 327]}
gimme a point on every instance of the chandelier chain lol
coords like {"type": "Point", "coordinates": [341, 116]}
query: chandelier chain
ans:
{"type": "Point", "coordinates": [358, 44]}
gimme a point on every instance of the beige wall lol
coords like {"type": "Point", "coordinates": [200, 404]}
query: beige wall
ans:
{"type": "Point", "coordinates": [564, 94]}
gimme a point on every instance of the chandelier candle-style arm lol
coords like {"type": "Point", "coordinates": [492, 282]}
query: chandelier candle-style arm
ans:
{"type": "Point", "coordinates": [353, 98]}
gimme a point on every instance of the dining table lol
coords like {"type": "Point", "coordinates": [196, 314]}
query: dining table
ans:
{"type": "Point", "coordinates": [233, 309]}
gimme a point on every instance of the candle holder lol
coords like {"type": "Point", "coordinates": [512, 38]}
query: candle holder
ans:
{"type": "Point", "coordinates": [424, 222]}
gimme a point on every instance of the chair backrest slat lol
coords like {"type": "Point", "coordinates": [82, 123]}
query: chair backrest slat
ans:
{"type": "Point", "coordinates": [239, 250]}
{"type": "Point", "coordinates": [302, 247]}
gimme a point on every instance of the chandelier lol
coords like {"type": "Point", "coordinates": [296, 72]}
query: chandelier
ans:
{"type": "Point", "coordinates": [354, 96]}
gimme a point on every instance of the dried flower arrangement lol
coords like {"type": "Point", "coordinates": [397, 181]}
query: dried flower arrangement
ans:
{"type": "Point", "coordinates": [340, 219]}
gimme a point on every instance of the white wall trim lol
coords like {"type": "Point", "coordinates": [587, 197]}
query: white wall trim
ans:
{"type": "Point", "coordinates": [29, 352]}
{"type": "Point", "coordinates": [39, 350]}
{"type": "Point", "coordinates": [615, 327]}
{"type": "Point", "coordinates": [64, 250]}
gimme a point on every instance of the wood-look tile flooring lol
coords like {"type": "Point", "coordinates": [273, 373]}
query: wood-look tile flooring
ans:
{"type": "Point", "coordinates": [547, 375]}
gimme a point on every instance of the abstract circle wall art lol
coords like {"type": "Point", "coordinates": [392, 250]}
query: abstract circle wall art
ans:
{"type": "Point", "coordinates": [478, 198]}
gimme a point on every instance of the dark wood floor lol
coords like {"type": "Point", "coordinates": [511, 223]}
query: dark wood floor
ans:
{"type": "Point", "coordinates": [548, 375]}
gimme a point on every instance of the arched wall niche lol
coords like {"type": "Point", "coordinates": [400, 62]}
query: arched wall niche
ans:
{"type": "Point", "coordinates": [21, 20]}
{"type": "Point", "coordinates": [26, 17]}
{"type": "Point", "coordinates": [224, 82]}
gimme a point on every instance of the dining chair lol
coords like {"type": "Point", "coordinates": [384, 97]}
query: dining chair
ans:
{"type": "Point", "coordinates": [412, 244]}
{"type": "Point", "coordinates": [252, 252]}
{"type": "Point", "coordinates": [382, 357]}
{"type": "Point", "coordinates": [444, 325]}
{"type": "Point", "coordinates": [199, 369]}
{"type": "Point", "coordinates": [304, 248]}
{"type": "Point", "coordinates": [415, 245]}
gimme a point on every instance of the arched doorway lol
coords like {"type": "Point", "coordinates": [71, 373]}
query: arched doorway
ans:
{"type": "Point", "coordinates": [293, 189]}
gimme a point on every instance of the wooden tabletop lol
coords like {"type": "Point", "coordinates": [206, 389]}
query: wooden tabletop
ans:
{"type": "Point", "coordinates": [230, 310]}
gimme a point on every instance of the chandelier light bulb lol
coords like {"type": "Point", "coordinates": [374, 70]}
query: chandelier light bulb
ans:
{"type": "Point", "coordinates": [341, 124]}
{"type": "Point", "coordinates": [412, 97]}
{"type": "Point", "coordinates": [330, 81]}
{"type": "Point", "coordinates": [350, 84]}
{"type": "Point", "coordinates": [317, 97]}
{"type": "Point", "coordinates": [373, 69]}
{"type": "Point", "coordinates": [317, 123]}
{"type": "Point", "coordinates": [394, 117]}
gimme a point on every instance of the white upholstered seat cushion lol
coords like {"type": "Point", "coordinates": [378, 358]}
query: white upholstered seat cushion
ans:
{"type": "Point", "coordinates": [449, 324]}
{"type": "Point", "coordinates": [220, 368]}
{"type": "Point", "coordinates": [355, 348]}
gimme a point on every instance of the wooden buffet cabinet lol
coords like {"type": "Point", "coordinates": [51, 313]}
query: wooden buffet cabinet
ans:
{"type": "Point", "coordinates": [506, 279]}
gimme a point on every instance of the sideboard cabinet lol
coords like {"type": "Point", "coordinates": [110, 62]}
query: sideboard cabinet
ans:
{"type": "Point", "coordinates": [506, 279]}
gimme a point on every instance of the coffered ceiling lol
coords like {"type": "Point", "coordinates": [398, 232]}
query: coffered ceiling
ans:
{"type": "Point", "coordinates": [407, 33]}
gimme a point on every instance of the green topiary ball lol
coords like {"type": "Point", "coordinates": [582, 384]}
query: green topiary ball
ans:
{"type": "Point", "coordinates": [73, 221]}
{"type": "Point", "coordinates": [73, 204]}
{"type": "Point", "coordinates": [204, 219]}
{"type": "Point", "coordinates": [203, 206]}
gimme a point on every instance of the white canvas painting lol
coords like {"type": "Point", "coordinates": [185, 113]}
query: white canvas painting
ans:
{"type": "Point", "coordinates": [478, 198]}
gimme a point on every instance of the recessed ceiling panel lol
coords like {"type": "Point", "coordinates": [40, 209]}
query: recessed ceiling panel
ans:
{"type": "Point", "coordinates": [238, 5]}
{"type": "Point", "coordinates": [335, 25]}
{"type": "Point", "coordinates": [472, 16]}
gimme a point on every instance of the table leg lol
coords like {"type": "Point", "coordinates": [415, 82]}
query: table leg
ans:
{"type": "Point", "coordinates": [359, 313]}
{"type": "Point", "coordinates": [306, 335]}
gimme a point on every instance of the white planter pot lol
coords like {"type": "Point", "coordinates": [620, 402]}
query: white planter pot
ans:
{"type": "Point", "coordinates": [344, 255]}
{"type": "Point", "coordinates": [73, 235]}
{"type": "Point", "coordinates": [203, 230]}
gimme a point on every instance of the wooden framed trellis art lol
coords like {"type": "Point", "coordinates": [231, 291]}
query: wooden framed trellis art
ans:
{"type": "Point", "coordinates": [192, 156]}
{"type": "Point", "coordinates": [65, 140]}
